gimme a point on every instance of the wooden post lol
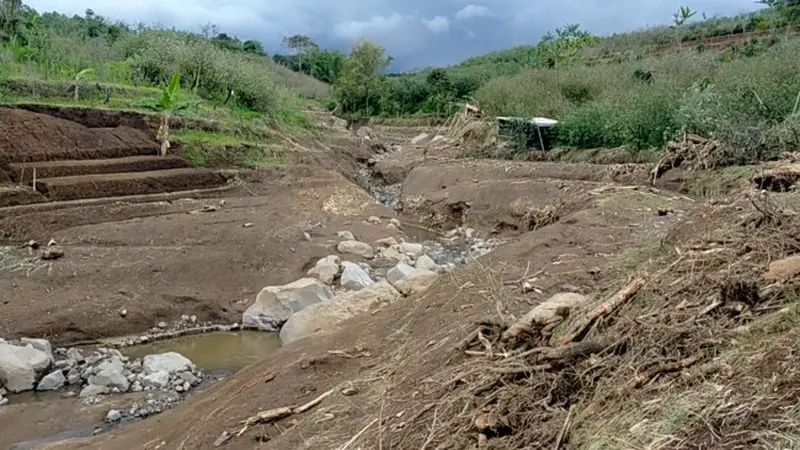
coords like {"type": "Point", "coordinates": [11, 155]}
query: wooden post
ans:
{"type": "Point", "coordinates": [34, 178]}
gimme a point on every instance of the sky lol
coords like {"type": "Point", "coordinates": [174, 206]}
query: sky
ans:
{"type": "Point", "coordinates": [417, 33]}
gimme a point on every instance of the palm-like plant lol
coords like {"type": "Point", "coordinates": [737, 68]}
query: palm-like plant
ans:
{"type": "Point", "coordinates": [683, 15]}
{"type": "Point", "coordinates": [167, 105]}
{"type": "Point", "coordinates": [77, 76]}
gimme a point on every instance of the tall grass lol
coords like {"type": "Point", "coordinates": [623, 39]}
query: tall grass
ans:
{"type": "Point", "coordinates": [744, 98]}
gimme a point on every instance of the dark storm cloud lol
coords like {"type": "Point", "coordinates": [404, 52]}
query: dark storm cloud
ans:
{"type": "Point", "coordinates": [417, 33]}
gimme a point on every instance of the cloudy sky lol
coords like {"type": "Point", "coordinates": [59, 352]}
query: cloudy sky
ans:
{"type": "Point", "coordinates": [418, 33]}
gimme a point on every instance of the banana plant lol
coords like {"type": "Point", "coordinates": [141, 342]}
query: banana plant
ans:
{"type": "Point", "coordinates": [77, 77]}
{"type": "Point", "coordinates": [167, 105]}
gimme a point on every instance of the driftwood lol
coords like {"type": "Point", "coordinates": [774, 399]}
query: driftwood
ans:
{"type": "Point", "coordinates": [275, 414]}
{"type": "Point", "coordinates": [604, 309]}
{"type": "Point", "coordinates": [547, 314]}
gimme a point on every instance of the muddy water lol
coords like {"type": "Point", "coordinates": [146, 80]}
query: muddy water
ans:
{"type": "Point", "coordinates": [215, 351]}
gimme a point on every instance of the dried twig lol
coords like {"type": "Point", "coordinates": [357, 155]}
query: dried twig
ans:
{"type": "Point", "coordinates": [275, 414]}
{"type": "Point", "coordinates": [358, 435]}
{"type": "Point", "coordinates": [675, 366]}
{"type": "Point", "coordinates": [564, 429]}
{"type": "Point", "coordinates": [605, 309]}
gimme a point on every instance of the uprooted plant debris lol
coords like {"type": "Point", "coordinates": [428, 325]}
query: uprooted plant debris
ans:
{"type": "Point", "coordinates": [692, 152]}
{"type": "Point", "coordinates": [537, 381]}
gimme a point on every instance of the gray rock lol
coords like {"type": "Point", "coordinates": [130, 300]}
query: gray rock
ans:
{"type": "Point", "coordinates": [399, 272]}
{"type": "Point", "coordinates": [326, 269]}
{"type": "Point", "coordinates": [52, 381]}
{"type": "Point", "coordinates": [420, 280]}
{"type": "Point", "coordinates": [354, 277]}
{"type": "Point", "coordinates": [386, 242]}
{"type": "Point", "coordinates": [393, 254]}
{"type": "Point", "coordinates": [20, 367]}
{"type": "Point", "coordinates": [346, 235]}
{"type": "Point", "coordinates": [375, 220]}
{"type": "Point", "coordinates": [111, 374]}
{"type": "Point", "coordinates": [186, 386]}
{"type": "Point", "coordinates": [410, 248]}
{"type": "Point", "coordinates": [357, 248]}
{"type": "Point", "coordinates": [156, 380]}
{"type": "Point", "coordinates": [39, 344]}
{"type": "Point", "coordinates": [113, 415]}
{"type": "Point", "coordinates": [427, 263]}
{"type": "Point", "coordinates": [74, 376]}
{"type": "Point", "coordinates": [162, 325]}
{"type": "Point", "coordinates": [93, 390]}
{"type": "Point", "coordinates": [189, 377]}
{"type": "Point", "coordinates": [275, 304]}
{"type": "Point", "coordinates": [169, 362]}
{"type": "Point", "coordinates": [3, 400]}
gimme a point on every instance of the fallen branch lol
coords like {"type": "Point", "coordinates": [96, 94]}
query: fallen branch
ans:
{"type": "Point", "coordinates": [574, 350]}
{"type": "Point", "coordinates": [358, 435]}
{"type": "Point", "coordinates": [547, 314]}
{"type": "Point", "coordinates": [604, 309]}
{"type": "Point", "coordinates": [649, 375]}
{"type": "Point", "coordinates": [275, 414]}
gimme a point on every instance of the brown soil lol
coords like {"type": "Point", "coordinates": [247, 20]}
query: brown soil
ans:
{"type": "Point", "coordinates": [14, 194]}
{"type": "Point", "coordinates": [28, 137]}
{"type": "Point", "coordinates": [53, 169]}
{"type": "Point", "coordinates": [114, 184]}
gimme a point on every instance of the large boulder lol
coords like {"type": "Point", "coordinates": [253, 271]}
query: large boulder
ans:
{"type": "Point", "coordinates": [170, 362]}
{"type": "Point", "coordinates": [354, 277]}
{"type": "Point", "coordinates": [20, 367]}
{"type": "Point", "coordinates": [111, 374]}
{"type": "Point", "coordinates": [157, 380]}
{"type": "Point", "coordinates": [326, 316]}
{"type": "Point", "coordinates": [326, 269]}
{"type": "Point", "coordinates": [39, 344]}
{"type": "Point", "coordinates": [357, 248]}
{"type": "Point", "coordinates": [418, 281]}
{"type": "Point", "coordinates": [275, 304]}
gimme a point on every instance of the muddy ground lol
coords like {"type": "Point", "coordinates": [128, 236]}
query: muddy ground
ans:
{"type": "Point", "coordinates": [570, 228]}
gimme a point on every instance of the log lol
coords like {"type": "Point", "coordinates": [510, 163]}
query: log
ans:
{"type": "Point", "coordinates": [604, 309]}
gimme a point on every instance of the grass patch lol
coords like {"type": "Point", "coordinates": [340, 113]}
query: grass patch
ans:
{"type": "Point", "coordinates": [292, 122]}
{"type": "Point", "coordinates": [205, 149]}
{"type": "Point", "coordinates": [712, 184]}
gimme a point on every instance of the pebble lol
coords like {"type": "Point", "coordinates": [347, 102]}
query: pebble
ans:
{"type": "Point", "coordinates": [123, 313]}
{"type": "Point", "coordinates": [113, 415]}
{"type": "Point", "coordinates": [162, 325]}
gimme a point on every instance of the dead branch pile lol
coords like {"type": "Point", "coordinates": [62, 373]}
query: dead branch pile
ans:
{"type": "Point", "coordinates": [535, 381]}
{"type": "Point", "coordinates": [470, 130]}
{"type": "Point", "coordinates": [692, 152]}
{"type": "Point", "coordinates": [780, 178]}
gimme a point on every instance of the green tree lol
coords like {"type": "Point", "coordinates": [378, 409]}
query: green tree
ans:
{"type": "Point", "coordinates": [77, 77]}
{"type": "Point", "coordinates": [300, 44]}
{"type": "Point", "coordinates": [11, 19]}
{"type": "Point", "coordinates": [253, 47]}
{"type": "Point", "coordinates": [361, 85]}
{"type": "Point", "coordinates": [325, 65]}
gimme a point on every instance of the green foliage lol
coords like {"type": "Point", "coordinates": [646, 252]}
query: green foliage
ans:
{"type": "Point", "coordinates": [360, 86]}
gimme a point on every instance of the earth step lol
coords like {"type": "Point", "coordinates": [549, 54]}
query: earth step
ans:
{"type": "Point", "coordinates": [132, 183]}
{"type": "Point", "coordinates": [23, 172]}
{"type": "Point", "coordinates": [14, 195]}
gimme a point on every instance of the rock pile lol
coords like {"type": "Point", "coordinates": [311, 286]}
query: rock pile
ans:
{"type": "Point", "coordinates": [32, 364]}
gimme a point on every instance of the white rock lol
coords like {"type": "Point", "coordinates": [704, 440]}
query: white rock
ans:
{"type": "Point", "coordinates": [21, 366]}
{"type": "Point", "coordinates": [326, 316]}
{"type": "Point", "coordinates": [74, 353]}
{"type": "Point", "coordinates": [74, 376]}
{"type": "Point", "coordinates": [93, 390]}
{"type": "Point", "coordinates": [157, 380]}
{"type": "Point", "coordinates": [39, 344]}
{"type": "Point", "coordinates": [354, 277]}
{"type": "Point", "coordinates": [3, 400]}
{"type": "Point", "coordinates": [375, 220]}
{"type": "Point", "coordinates": [393, 254]}
{"type": "Point", "coordinates": [361, 249]}
{"type": "Point", "coordinates": [326, 269]}
{"type": "Point", "coordinates": [410, 248]}
{"type": "Point", "coordinates": [346, 235]}
{"type": "Point", "coordinates": [386, 242]}
{"type": "Point", "coordinates": [169, 362]}
{"type": "Point", "coordinates": [420, 280]}
{"type": "Point", "coordinates": [162, 324]}
{"type": "Point", "coordinates": [275, 304]}
{"type": "Point", "coordinates": [110, 373]}
{"type": "Point", "coordinates": [427, 263]}
{"type": "Point", "coordinates": [51, 382]}
{"type": "Point", "coordinates": [395, 222]}
{"type": "Point", "coordinates": [398, 272]}
{"type": "Point", "coordinates": [113, 416]}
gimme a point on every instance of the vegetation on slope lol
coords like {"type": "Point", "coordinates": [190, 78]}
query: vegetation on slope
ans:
{"type": "Point", "coordinates": [92, 61]}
